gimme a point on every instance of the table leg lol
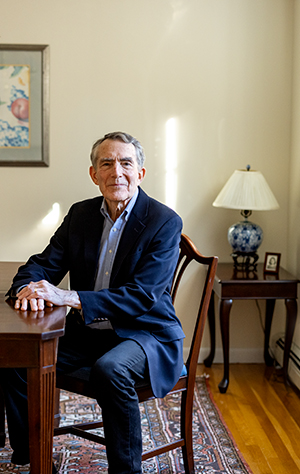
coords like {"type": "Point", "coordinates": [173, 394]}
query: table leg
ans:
{"type": "Point", "coordinates": [291, 316]}
{"type": "Point", "coordinates": [2, 420]}
{"type": "Point", "coordinates": [225, 307]}
{"type": "Point", "coordinates": [212, 331]}
{"type": "Point", "coordinates": [41, 391]}
{"type": "Point", "coordinates": [56, 408]}
{"type": "Point", "coordinates": [270, 304]}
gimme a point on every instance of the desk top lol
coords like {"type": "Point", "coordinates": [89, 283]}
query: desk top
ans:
{"type": "Point", "coordinates": [30, 323]}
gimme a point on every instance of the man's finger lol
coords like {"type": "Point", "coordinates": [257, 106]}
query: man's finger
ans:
{"type": "Point", "coordinates": [24, 304]}
{"type": "Point", "coordinates": [33, 304]}
{"type": "Point", "coordinates": [40, 304]}
{"type": "Point", "coordinates": [17, 304]}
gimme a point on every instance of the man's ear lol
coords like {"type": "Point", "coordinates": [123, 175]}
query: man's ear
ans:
{"type": "Point", "coordinates": [142, 173]}
{"type": "Point", "coordinates": [93, 175]}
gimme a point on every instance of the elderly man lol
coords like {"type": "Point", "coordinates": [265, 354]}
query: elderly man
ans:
{"type": "Point", "coordinates": [120, 251]}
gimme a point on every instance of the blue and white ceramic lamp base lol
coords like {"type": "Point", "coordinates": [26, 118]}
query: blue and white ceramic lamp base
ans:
{"type": "Point", "coordinates": [245, 236]}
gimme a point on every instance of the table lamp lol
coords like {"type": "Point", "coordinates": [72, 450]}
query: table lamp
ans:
{"type": "Point", "coordinates": [248, 191]}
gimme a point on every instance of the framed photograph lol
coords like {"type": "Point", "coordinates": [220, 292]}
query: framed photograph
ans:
{"type": "Point", "coordinates": [272, 261]}
{"type": "Point", "coordinates": [24, 105]}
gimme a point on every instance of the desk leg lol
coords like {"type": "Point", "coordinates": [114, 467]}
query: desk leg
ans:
{"type": "Point", "coordinates": [212, 331]}
{"type": "Point", "coordinates": [270, 304]}
{"type": "Point", "coordinates": [291, 316]}
{"type": "Point", "coordinates": [2, 420]}
{"type": "Point", "coordinates": [41, 390]}
{"type": "Point", "coordinates": [225, 307]}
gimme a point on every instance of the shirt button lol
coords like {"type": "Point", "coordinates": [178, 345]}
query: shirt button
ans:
{"type": "Point", "coordinates": [110, 251]}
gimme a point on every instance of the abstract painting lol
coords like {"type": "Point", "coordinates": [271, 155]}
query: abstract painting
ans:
{"type": "Point", "coordinates": [24, 105]}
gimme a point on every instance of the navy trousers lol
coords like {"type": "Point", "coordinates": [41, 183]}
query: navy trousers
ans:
{"type": "Point", "coordinates": [116, 366]}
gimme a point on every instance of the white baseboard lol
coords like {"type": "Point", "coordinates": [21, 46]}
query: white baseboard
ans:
{"type": "Point", "coordinates": [236, 356]}
{"type": "Point", "coordinates": [293, 371]}
{"type": "Point", "coordinates": [294, 375]}
{"type": "Point", "coordinates": [247, 356]}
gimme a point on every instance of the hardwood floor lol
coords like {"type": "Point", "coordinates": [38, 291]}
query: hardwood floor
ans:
{"type": "Point", "coordinates": [262, 414]}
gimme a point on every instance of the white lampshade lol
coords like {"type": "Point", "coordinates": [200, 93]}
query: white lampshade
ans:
{"type": "Point", "coordinates": [246, 190]}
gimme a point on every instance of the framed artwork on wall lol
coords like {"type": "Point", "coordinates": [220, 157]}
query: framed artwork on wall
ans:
{"type": "Point", "coordinates": [24, 105]}
{"type": "Point", "coordinates": [272, 261]}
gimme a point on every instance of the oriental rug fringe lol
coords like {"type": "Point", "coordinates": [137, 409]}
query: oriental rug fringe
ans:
{"type": "Point", "coordinates": [215, 451]}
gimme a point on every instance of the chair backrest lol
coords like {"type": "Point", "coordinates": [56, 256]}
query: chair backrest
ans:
{"type": "Point", "coordinates": [189, 253]}
{"type": "Point", "coordinates": [7, 272]}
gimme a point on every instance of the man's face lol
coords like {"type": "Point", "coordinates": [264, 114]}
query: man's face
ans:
{"type": "Point", "coordinates": [117, 173]}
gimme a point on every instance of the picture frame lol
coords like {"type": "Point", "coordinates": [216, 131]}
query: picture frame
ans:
{"type": "Point", "coordinates": [272, 262]}
{"type": "Point", "coordinates": [24, 105]}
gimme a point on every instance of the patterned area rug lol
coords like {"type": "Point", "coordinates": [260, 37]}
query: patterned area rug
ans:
{"type": "Point", "coordinates": [214, 449]}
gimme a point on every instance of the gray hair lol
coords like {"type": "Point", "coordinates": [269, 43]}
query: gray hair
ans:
{"type": "Point", "coordinates": [123, 137]}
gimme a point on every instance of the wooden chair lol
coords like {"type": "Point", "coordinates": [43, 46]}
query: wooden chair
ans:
{"type": "Point", "coordinates": [77, 382]}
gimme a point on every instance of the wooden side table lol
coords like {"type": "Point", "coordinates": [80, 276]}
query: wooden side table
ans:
{"type": "Point", "coordinates": [231, 284]}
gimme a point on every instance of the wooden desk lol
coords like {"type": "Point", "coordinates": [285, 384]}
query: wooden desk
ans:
{"type": "Point", "coordinates": [29, 341]}
{"type": "Point", "coordinates": [230, 285]}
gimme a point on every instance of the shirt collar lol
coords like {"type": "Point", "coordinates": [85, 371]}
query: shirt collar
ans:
{"type": "Point", "coordinates": [127, 210]}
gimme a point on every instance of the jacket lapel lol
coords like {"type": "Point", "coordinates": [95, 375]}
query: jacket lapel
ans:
{"type": "Point", "coordinates": [93, 225]}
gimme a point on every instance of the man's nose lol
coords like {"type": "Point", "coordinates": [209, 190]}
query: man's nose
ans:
{"type": "Point", "coordinates": [117, 169]}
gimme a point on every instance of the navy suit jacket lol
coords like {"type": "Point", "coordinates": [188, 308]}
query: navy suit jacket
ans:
{"type": "Point", "coordinates": [138, 301]}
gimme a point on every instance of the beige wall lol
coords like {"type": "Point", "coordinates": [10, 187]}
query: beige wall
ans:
{"type": "Point", "coordinates": [222, 69]}
{"type": "Point", "coordinates": [294, 194]}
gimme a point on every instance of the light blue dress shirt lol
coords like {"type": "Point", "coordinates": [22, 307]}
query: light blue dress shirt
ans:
{"type": "Point", "coordinates": [111, 235]}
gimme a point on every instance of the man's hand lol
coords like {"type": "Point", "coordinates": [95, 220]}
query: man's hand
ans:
{"type": "Point", "coordinates": [41, 293]}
